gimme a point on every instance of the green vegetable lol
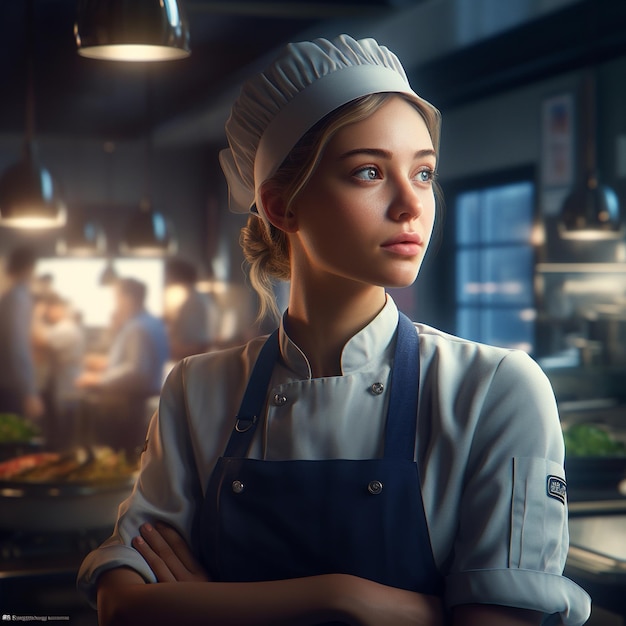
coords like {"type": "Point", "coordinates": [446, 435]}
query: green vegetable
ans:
{"type": "Point", "coordinates": [591, 440]}
{"type": "Point", "coordinates": [14, 428]}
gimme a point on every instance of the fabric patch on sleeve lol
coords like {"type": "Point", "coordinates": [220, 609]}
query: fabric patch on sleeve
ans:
{"type": "Point", "coordinates": [556, 488]}
{"type": "Point", "coordinates": [539, 532]}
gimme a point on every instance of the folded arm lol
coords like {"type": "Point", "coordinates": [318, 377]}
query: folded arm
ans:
{"type": "Point", "coordinates": [185, 594]}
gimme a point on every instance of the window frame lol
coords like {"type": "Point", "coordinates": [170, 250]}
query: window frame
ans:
{"type": "Point", "coordinates": [452, 190]}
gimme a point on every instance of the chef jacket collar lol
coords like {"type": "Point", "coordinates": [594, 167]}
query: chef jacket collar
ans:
{"type": "Point", "coordinates": [364, 348]}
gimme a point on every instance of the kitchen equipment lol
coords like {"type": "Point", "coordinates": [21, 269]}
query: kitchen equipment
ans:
{"type": "Point", "coordinates": [61, 506]}
{"type": "Point", "coordinates": [38, 574]}
{"type": "Point", "coordinates": [609, 330]}
{"type": "Point", "coordinates": [78, 490]}
{"type": "Point", "coordinates": [597, 554]}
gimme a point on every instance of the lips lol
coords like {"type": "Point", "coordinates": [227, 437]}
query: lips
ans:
{"type": "Point", "coordinates": [405, 244]}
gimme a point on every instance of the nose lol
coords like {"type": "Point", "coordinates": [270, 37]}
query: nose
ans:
{"type": "Point", "coordinates": [407, 201]}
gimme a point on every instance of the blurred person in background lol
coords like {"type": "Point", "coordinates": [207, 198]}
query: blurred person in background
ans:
{"type": "Point", "coordinates": [18, 380]}
{"type": "Point", "coordinates": [60, 338]}
{"type": "Point", "coordinates": [41, 287]}
{"type": "Point", "coordinates": [189, 314]}
{"type": "Point", "coordinates": [131, 372]}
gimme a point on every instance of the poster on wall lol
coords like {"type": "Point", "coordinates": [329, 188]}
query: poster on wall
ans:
{"type": "Point", "coordinates": [558, 141]}
{"type": "Point", "coordinates": [557, 150]}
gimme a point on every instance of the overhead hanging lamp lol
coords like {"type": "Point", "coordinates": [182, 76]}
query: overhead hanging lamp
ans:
{"type": "Point", "coordinates": [132, 30]}
{"type": "Point", "coordinates": [148, 233]}
{"type": "Point", "coordinates": [83, 238]}
{"type": "Point", "coordinates": [591, 211]}
{"type": "Point", "coordinates": [29, 196]}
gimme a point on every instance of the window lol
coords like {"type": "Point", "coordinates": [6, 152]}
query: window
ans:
{"type": "Point", "coordinates": [494, 265]}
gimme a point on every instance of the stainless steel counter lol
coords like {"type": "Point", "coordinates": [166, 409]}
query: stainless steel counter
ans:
{"type": "Point", "coordinates": [597, 554]}
{"type": "Point", "coordinates": [598, 544]}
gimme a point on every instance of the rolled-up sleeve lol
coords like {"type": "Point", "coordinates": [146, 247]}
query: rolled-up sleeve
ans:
{"type": "Point", "coordinates": [512, 538]}
{"type": "Point", "coordinates": [167, 489]}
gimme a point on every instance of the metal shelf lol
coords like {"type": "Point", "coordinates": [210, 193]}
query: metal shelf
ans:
{"type": "Point", "coordinates": [581, 268]}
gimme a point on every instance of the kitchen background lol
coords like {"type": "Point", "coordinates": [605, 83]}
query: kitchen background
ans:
{"type": "Point", "coordinates": [530, 90]}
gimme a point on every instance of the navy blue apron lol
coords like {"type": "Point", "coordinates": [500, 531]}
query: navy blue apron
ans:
{"type": "Point", "coordinates": [273, 520]}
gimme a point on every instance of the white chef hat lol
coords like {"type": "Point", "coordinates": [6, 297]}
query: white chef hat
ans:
{"type": "Point", "coordinates": [307, 81]}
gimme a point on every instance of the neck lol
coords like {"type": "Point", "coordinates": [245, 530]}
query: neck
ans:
{"type": "Point", "coordinates": [321, 321]}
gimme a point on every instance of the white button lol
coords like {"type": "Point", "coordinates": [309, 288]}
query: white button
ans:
{"type": "Point", "coordinates": [237, 486]}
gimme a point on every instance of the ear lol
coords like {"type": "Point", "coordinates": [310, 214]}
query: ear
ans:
{"type": "Point", "coordinates": [275, 208]}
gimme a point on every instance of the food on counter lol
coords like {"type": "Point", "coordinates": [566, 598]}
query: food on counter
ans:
{"type": "Point", "coordinates": [22, 464]}
{"type": "Point", "coordinates": [104, 464]}
{"type": "Point", "coordinates": [591, 440]}
{"type": "Point", "coordinates": [14, 428]}
{"type": "Point", "coordinates": [82, 464]}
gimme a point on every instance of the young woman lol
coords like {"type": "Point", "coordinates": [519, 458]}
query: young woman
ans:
{"type": "Point", "coordinates": [353, 467]}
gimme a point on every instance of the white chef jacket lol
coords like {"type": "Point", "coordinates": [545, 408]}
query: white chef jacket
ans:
{"type": "Point", "coordinates": [488, 444]}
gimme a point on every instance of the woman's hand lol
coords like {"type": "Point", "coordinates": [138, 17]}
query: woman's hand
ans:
{"type": "Point", "coordinates": [367, 603]}
{"type": "Point", "coordinates": [168, 555]}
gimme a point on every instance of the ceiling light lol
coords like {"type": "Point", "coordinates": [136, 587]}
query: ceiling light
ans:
{"type": "Point", "coordinates": [29, 196]}
{"type": "Point", "coordinates": [131, 30]}
{"type": "Point", "coordinates": [591, 211]}
{"type": "Point", "coordinates": [83, 238]}
{"type": "Point", "coordinates": [148, 233]}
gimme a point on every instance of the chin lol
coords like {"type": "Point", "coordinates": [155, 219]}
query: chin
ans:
{"type": "Point", "coordinates": [399, 282]}
{"type": "Point", "coordinates": [403, 279]}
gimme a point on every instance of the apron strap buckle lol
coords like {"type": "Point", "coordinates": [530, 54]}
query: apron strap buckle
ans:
{"type": "Point", "coordinates": [245, 423]}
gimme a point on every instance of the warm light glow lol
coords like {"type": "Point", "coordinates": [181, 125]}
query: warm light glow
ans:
{"type": "Point", "coordinates": [212, 286]}
{"type": "Point", "coordinates": [78, 251]}
{"type": "Point", "coordinates": [590, 235]}
{"type": "Point", "coordinates": [538, 235]}
{"type": "Point", "coordinates": [149, 251]}
{"type": "Point", "coordinates": [133, 52]}
{"type": "Point", "coordinates": [597, 286]}
{"type": "Point", "coordinates": [34, 222]}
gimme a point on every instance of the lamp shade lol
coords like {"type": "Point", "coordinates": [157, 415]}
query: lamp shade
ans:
{"type": "Point", "coordinates": [131, 30]}
{"type": "Point", "coordinates": [29, 196]}
{"type": "Point", "coordinates": [148, 234]}
{"type": "Point", "coordinates": [590, 213]}
{"type": "Point", "coordinates": [83, 238]}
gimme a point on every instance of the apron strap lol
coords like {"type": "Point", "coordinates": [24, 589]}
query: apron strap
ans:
{"type": "Point", "coordinates": [253, 399]}
{"type": "Point", "coordinates": [401, 426]}
{"type": "Point", "coordinates": [401, 416]}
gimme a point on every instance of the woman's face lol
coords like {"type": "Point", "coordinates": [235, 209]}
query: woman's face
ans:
{"type": "Point", "coordinates": [367, 212]}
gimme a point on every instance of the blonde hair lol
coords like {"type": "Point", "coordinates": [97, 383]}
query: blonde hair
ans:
{"type": "Point", "coordinates": [265, 247]}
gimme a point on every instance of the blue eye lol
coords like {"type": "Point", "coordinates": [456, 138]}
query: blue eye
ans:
{"type": "Point", "coordinates": [367, 173]}
{"type": "Point", "coordinates": [426, 176]}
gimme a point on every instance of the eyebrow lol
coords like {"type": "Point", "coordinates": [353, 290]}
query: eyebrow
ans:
{"type": "Point", "coordinates": [386, 154]}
